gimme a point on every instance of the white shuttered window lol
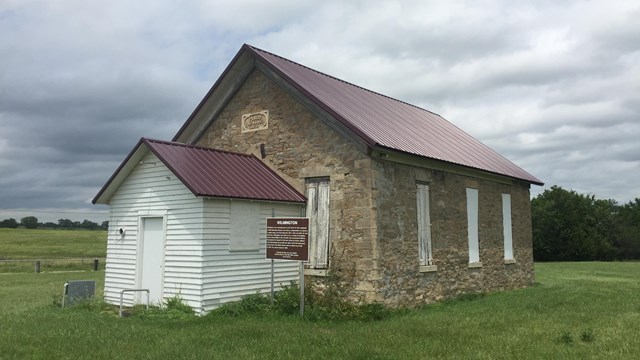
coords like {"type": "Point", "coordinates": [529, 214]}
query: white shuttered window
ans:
{"type": "Point", "coordinates": [472, 225]}
{"type": "Point", "coordinates": [318, 214]}
{"type": "Point", "coordinates": [506, 225]}
{"type": "Point", "coordinates": [424, 224]}
{"type": "Point", "coordinates": [244, 226]}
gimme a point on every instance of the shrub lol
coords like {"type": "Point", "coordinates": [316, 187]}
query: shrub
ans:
{"type": "Point", "coordinates": [587, 336]}
{"type": "Point", "coordinates": [249, 305]}
{"type": "Point", "coordinates": [325, 306]}
{"type": "Point", "coordinates": [566, 338]}
{"type": "Point", "coordinates": [95, 303]}
{"type": "Point", "coordinates": [287, 300]}
{"type": "Point", "coordinates": [173, 308]}
{"type": "Point", "coordinates": [176, 303]}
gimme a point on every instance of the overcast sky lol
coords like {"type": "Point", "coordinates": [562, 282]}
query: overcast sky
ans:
{"type": "Point", "coordinates": [552, 85]}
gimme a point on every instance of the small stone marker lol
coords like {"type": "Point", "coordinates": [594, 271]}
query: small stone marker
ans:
{"type": "Point", "coordinates": [77, 290]}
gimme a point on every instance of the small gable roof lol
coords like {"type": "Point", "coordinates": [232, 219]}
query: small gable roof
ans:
{"type": "Point", "coordinates": [380, 121]}
{"type": "Point", "coordinates": [208, 173]}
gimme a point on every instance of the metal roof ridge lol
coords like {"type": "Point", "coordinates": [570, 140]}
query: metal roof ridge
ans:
{"type": "Point", "coordinates": [323, 104]}
{"type": "Point", "coordinates": [195, 147]}
{"type": "Point", "coordinates": [343, 81]}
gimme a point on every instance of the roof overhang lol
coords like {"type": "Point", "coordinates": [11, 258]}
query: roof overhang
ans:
{"type": "Point", "coordinates": [384, 153]}
{"type": "Point", "coordinates": [122, 172]}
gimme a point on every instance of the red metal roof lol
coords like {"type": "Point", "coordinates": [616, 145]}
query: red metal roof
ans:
{"type": "Point", "coordinates": [216, 173]}
{"type": "Point", "coordinates": [383, 121]}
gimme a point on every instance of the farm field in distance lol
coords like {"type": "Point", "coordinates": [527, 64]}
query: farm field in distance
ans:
{"type": "Point", "coordinates": [54, 247]}
{"type": "Point", "coordinates": [576, 311]}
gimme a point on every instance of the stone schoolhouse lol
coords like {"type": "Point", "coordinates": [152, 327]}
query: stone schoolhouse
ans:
{"type": "Point", "coordinates": [407, 206]}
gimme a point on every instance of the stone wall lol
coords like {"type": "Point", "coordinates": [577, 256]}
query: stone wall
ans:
{"type": "Point", "coordinates": [299, 145]}
{"type": "Point", "coordinates": [401, 282]}
{"type": "Point", "coordinates": [373, 229]}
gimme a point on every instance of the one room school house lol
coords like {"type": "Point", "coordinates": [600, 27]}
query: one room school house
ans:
{"type": "Point", "coordinates": [405, 208]}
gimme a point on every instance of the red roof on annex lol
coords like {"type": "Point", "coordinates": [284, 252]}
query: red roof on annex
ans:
{"type": "Point", "coordinates": [215, 173]}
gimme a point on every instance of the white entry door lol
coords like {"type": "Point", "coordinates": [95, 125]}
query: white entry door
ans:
{"type": "Point", "coordinates": [151, 259]}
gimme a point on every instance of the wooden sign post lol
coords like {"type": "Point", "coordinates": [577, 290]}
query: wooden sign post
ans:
{"type": "Point", "coordinates": [288, 239]}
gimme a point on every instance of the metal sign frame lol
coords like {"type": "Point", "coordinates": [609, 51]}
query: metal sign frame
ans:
{"type": "Point", "coordinates": [288, 239]}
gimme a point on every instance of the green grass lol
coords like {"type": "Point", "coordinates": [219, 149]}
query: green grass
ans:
{"type": "Point", "coordinates": [49, 265]}
{"type": "Point", "coordinates": [52, 244]}
{"type": "Point", "coordinates": [53, 247]}
{"type": "Point", "coordinates": [577, 311]}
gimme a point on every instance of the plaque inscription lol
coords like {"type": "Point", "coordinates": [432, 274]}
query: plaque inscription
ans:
{"type": "Point", "coordinates": [255, 121]}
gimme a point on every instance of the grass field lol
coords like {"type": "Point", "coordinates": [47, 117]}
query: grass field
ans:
{"type": "Point", "coordinates": [53, 247]}
{"type": "Point", "coordinates": [577, 311]}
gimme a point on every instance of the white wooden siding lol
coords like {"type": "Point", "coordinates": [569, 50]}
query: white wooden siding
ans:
{"type": "Point", "coordinates": [229, 275]}
{"type": "Point", "coordinates": [149, 189]}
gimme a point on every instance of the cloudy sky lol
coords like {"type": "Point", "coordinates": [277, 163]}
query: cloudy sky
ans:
{"type": "Point", "coordinates": [552, 85]}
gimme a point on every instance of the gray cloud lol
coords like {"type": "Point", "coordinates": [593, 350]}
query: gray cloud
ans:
{"type": "Point", "coordinates": [553, 86]}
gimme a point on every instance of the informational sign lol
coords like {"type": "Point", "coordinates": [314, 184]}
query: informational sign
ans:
{"type": "Point", "coordinates": [288, 238]}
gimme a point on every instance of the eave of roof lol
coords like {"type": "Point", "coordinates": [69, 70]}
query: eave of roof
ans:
{"type": "Point", "coordinates": [123, 170]}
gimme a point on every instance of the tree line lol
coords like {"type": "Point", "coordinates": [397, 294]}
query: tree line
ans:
{"type": "Point", "coordinates": [31, 222]}
{"type": "Point", "coordinates": [568, 226]}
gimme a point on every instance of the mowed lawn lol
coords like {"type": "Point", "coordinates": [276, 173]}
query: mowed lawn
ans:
{"type": "Point", "coordinates": [576, 311]}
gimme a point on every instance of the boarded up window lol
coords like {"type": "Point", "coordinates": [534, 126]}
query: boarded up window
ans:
{"type": "Point", "coordinates": [318, 214]}
{"type": "Point", "coordinates": [472, 225]}
{"type": "Point", "coordinates": [506, 225]}
{"type": "Point", "coordinates": [244, 225]}
{"type": "Point", "coordinates": [424, 224]}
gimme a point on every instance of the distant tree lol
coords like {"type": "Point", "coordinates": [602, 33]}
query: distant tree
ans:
{"type": "Point", "coordinates": [29, 222]}
{"type": "Point", "coordinates": [104, 225]}
{"type": "Point", "coordinates": [628, 223]}
{"type": "Point", "coordinates": [65, 224]}
{"type": "Point", "coordinates": [9, 223]}
{"type": "Point", "coordinates": [49, 225]}
{"type": "Point", "coordinates": [568, 226]}
{"type": "Point", "coordinates": [90, 225]}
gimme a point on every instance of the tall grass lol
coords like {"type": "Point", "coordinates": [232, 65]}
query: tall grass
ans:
{"type": "Point", "coordinates": [577, 311]}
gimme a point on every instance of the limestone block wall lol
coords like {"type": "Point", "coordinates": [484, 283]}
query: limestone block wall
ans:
{"type": "Point", "coordinates": [373, 227]}
{"type": "Point", "coordinates": [298, 145]}
{"type": "Point", "coordinates": [401, 283]}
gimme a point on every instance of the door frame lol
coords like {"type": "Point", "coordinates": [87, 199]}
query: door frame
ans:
{"type": "Point", "coordinates": [140, 248]}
